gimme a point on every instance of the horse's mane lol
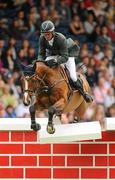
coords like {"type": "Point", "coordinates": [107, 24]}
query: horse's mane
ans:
{"type": "Point", "coordinates": [42, 68]}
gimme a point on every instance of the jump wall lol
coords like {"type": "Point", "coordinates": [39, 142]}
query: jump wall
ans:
{"type": "Point", "coordinates": [22, 157]}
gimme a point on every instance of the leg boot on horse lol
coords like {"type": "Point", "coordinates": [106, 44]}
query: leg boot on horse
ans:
{"type": "Point", "coordinates": [35, 126]}
{"type": "Point", "coordinates": [50, 126]}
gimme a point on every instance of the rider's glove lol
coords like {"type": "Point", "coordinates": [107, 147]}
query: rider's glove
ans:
{"type": "Point", "coordinates": [52, 63]}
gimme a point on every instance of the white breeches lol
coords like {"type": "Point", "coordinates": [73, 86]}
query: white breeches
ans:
{"type": "Point", "coordinates": [70, 65]}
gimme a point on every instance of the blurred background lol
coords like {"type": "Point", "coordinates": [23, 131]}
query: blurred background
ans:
{"type": "Point", "coordinates": [91, 23]}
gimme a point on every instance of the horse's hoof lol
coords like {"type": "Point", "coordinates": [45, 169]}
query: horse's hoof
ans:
{"type": "Point", "coordinates": [50, 129]}
{"type": "Point", "coordinates": [35, 127]}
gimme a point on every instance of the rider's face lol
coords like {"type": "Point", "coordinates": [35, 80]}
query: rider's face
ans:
{"type": "Point", "coordinates": [48, 35]}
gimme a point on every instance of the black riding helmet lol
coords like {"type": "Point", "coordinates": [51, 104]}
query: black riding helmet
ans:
{"type": "Point", "coordinates": [47, 26]}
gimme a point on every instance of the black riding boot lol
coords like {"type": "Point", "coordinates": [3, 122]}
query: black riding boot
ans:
{"type": "Point", "coordinates": [79, 86]}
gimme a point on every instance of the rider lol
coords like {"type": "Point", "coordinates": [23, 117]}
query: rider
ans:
{"type": "Point", "coordinates": [54, 49]}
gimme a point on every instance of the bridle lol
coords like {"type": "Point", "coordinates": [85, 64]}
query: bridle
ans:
{"type": "Point", "coordinates": [27, 78]}
{"type": "Point", "coordinates": [43, 87]}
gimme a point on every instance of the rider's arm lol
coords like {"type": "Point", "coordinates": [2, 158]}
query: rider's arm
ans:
{"type": "Point", "coordinates": [63, 52]}
{"type": "Point", "coordinates": [42, 51]}
{"type": "Point", "coordinates": [73, 48]}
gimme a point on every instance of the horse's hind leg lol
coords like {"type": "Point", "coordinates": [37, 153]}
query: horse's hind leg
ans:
{"type": "Point", "coordinates": [80, 111]}
{"type": "Point", "coordinates": [34, 125]}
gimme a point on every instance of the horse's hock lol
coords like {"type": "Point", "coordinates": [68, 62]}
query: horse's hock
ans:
{"type": "Point", "coordinates": [25, 154]}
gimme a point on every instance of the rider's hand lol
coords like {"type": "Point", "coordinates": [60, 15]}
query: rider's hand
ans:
{"type": "Point", "coordinates": [52, 63]}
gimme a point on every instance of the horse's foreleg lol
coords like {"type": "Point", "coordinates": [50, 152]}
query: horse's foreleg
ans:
{"type": "Point", "coordinates": [50, 127]}
{"type": "Point", "coordinates": [34, 125]}
{"type": "Point", "coordinates": [57, 109]}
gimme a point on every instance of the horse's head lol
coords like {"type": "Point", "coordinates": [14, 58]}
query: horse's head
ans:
{"type": "Point", "coordinates": [39, 83]}
{"type": "Point", "coordinates": [28, 87]}
{"type": "Point", "coordinates": [33, 83]}
{"type": "Point", "coordinates": [28, 82]}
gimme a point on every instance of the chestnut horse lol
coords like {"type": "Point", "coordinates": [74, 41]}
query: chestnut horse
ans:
{"type": "Point", "coordinates": [48, 88]}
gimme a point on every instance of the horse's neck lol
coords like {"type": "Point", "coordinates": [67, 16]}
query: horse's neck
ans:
{"type": "Point", "coordinates": [40, 67]}
{"type": "Point", "coordinates": [52, 74]}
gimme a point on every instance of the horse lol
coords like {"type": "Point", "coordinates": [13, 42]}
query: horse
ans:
{"type": "Point", "coordinates": [48, 88]}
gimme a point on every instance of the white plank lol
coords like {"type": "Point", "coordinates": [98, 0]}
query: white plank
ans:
{"type": "Point", "coordinates": [19, 124]}
{"type": "Point", "coordinates": [71, 132]}
{"type": "Point", "coordinates": [110, 124]}
{"type": "Point", "coordinates": [22, 124]}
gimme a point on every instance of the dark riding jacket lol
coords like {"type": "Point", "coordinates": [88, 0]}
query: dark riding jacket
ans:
{"type": "Point", "coordinates": [62, 47]}
{"type": "Point", "coordinates": [59, 48]}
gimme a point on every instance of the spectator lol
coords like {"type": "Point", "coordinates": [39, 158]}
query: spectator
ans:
{"type": "Point", "coordinates": [22, 57]}
{"type": "Point", "coordinates": [111, 111]}
{"type": "Point", "coordinates": [109, 54]}
{"type": "Point", "coordinates": [101, 21]}
{"type": "Point", "coordinates": [34, 13]}
{"type": "Point", "coordinates": [7, 60]}
{"type": "Point", "coordinates": [8, 98]}
{"type": "Point", "coordinates": [89, 25]}
{"type": "Point", "coordinates": [96, 9]}
{"type": "Point", "coordinates": [82, 11]}
{"type": "Point", "coordinates": [100, 91]}
{"type": "Point", "coordinates": [21, 110]}
{"type": "Point", "coordinates": [110, 98]}
{"type": "Point", "coordinates": [99, 115]}
{"type": "Point", "coordinates": [32, 25]}
{"type": "Point", "coordinates": [44, 15]}
{"type": "Point", "coordinates": [97, 53]}
{"type": "Point", "coordinates": [12, 46]}
{"type": "Point", "coordinates": [31, 55]}
{"type": "Point", "coordinates": [11, 81]}
{"type": "Point", "coordinates": [55, 17]}
{"type": "Point", "coordinates": [107, 76]}
{"type": "Point", "coordinates": [76, 26]}
{"type": "Point", "coordinates": [74, 7]}
{"type": "Point", "coordinates": [64, 12]}
{"type": "Point", "coordinates": [21, 19]}
{"type": "Point", "coordinates": [91, 76]}
{"type": "Point", "coordinates": [15, 30]}
{"type": "Point", "coordinates": [104, 39]}
{"type": "Point", "coordinates": [52, 5]}
{"type": "Point", "coordinates": [111, 29]}
{"type": "Point", "coordinates": [110, 10]}
{"type": "Point", "coordinates": [95, 34]}
{"type": "Point", "coordinates": [10, 112]}
{"type": "Point", "coordinates": [25, 47]}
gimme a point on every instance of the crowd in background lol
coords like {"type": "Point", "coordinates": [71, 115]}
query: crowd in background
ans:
{"type": "Point", "coordinates": [91, 23]}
